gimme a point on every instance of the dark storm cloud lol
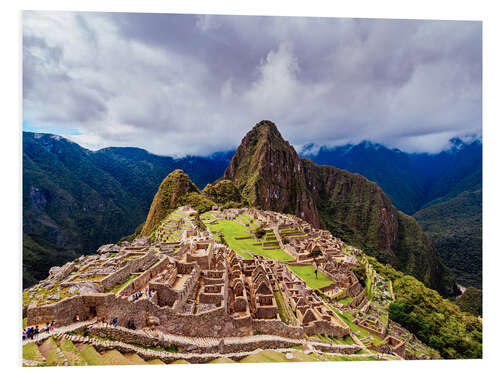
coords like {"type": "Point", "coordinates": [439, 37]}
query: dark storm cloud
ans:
{"type": "Point", "coordinates": [178, 84]}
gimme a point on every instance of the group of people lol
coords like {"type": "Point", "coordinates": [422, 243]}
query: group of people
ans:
{"type": "Point", "coordinates": [33, 332]}
{"type": "Point", "coordinates": [146, 292]}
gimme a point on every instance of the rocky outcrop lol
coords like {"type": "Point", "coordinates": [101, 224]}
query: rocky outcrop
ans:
{"type": "Point", "coordinates": [268, 172]}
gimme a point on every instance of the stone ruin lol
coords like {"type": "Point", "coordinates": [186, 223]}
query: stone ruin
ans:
{"type": "Point", "coordinates": [183, 282]}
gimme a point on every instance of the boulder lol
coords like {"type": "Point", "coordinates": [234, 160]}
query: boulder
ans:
{"type": "Point", "coordinates": [89, 288]}
{"type": "Point", "coordinates": [109, 248]}
{"type": "Point", "coordinates": [72, 290]}
{"type": "Point", "coordinates": [54, 270]}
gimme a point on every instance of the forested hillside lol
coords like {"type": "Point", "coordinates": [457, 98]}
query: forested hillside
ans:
{"type": "Point", "coordinates": [75, 200]}
{"type": "Point", "coordinates": [442, 191]}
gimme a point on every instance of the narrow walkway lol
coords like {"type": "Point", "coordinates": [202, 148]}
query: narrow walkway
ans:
{"type": "Point", "coordinates": [205, 342]}
{"type": "Point", "coordinates": [72, 327]}
{"type": "Point", "coordinates": [193, 357]}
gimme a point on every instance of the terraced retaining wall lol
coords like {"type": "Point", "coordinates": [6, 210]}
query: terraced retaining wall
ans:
{"type": "Point", "coordinates": [132, 266]}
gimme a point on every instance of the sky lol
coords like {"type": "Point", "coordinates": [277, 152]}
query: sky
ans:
{"type": "Point", "coordinates": [196, 84]}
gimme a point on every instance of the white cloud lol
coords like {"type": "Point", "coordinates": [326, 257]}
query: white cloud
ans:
{"type": "Point", "coordinates": [196, 84]}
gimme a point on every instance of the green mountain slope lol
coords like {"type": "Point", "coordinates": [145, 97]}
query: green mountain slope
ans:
{"type": "Point", "coordinates": [168, 197]}
{"type": "Point", "coordinates": [455, 228]}
{"type": "Point", "coordinates": [435, 320]}
{"type": "Point", "coordinates": [471, 301]}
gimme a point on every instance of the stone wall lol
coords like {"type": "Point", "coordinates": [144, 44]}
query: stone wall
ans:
{"type": "Point", "coordinates": [132, 266]}
{"type": "Point", "coordinates": [63, 312]}
{"type": "Point", "coordinates": [326, 328]}
{"type": "Point", "coordinates": [277, 327]}
{"type": "Point", "coordinates": [141, 281]}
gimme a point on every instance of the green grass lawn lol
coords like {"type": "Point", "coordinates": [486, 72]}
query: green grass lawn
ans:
{"type": "Point", "coordinates": [274, 356]}
{"type": "Point", "coordinates": [345, 300]}
{"type": "Point", "coordinates": [92, 356]}
{"type": "Point", "coordinates": [222, 360]}
{"type": "Point", "coordinates": [232, 229]}
{"type": "Point", "coordinates": [351, 358]}
{"type": "Point", "coordinates": [31, 352]}
{"type": "Point", "coordinates": [307, 274]}
{"type": "Point", "coordinates": [282, 311]}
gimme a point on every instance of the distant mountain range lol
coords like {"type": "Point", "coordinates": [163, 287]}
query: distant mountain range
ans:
{"type": "Point", "coordinates": [442, 191]}
{"type": "Point", "coordinates": [74, 199]}
{"type": "Point", "coordinates": [412, 181]}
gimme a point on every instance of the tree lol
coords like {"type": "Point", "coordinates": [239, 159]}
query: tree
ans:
{"type": "Point", "coordinates": [260, 232]}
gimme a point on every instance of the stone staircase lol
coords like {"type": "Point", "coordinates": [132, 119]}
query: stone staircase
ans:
{"type": "Point", "coordinates": [72, 327]}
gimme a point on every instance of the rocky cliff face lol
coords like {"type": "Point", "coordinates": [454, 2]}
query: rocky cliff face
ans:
{"type": "Point", "coordinates": [271, 175]}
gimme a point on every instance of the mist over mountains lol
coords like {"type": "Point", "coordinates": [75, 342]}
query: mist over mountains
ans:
{"type": "Point", "coordinates": [442, 191]}
{"type": "Point", "coordinates": [412, 181]}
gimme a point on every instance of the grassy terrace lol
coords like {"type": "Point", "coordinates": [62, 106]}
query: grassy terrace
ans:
{"type": "Point", "coordinates": [346, 340]}
{"type": "Point", "coordinates": [247, 220]}
{"type": "Point", "coordinates": [165, 230]}
{"type": "Point", "coordinates": [363, 333]}
{"type": "Point", "coordinates": [232, 230]}
{"type": "Point", "coordinates": [307, 274]}
{"type": "Point", "coordinates": [273, 356]}
{"type": "Point", "coordinates": [283, 312]}
{"type": "Point", "coordinates": [345, 300]}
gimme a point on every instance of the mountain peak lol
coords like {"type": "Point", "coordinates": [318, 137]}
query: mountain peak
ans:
{"type": "Point", "coordinates": [268, 172]}
{"type": "Point", "coordinates": [270, 175]}
{"type": "Point", "coordinates": [267, 126]}
{"type": "Point", "coordinates": [173, 187]}
{"type": "Point", "coordinates": [266, 132]}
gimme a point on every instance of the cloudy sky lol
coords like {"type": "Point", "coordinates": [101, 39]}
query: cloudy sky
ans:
{"type": "Point", "coordinates": [188, 84]}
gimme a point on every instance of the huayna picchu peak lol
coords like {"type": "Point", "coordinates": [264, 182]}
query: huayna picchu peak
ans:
{"type": "Point", "coordinates": [271, 175]}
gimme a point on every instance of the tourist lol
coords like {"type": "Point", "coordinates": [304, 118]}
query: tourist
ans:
{"type": "Point", "coordinates": [36, 332]}
{"type": "Point", "coordinates": [29, 333]}
{"type": "Point", "coordinates": [115, 322]}
{"type": "Point", "coordinates": [52, 323]}
{"type": "Point", "coordinates": [25, 335]}
{"type": "Point", "coordinates": [47, 328]}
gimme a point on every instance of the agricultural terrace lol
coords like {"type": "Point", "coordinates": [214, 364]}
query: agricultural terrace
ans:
{"type": "Point", "coordinates": [171, 228]}
{"type": "Point", "coordinates": [241, 240]}
{"type": "Point", "coordinates": [307, 274]}
{"type": "Point", "coordinates": [364, 335]}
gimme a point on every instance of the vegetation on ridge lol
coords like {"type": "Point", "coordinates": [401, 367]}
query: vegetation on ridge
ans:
{"type": "Point", "coordinates": [435, 320]}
